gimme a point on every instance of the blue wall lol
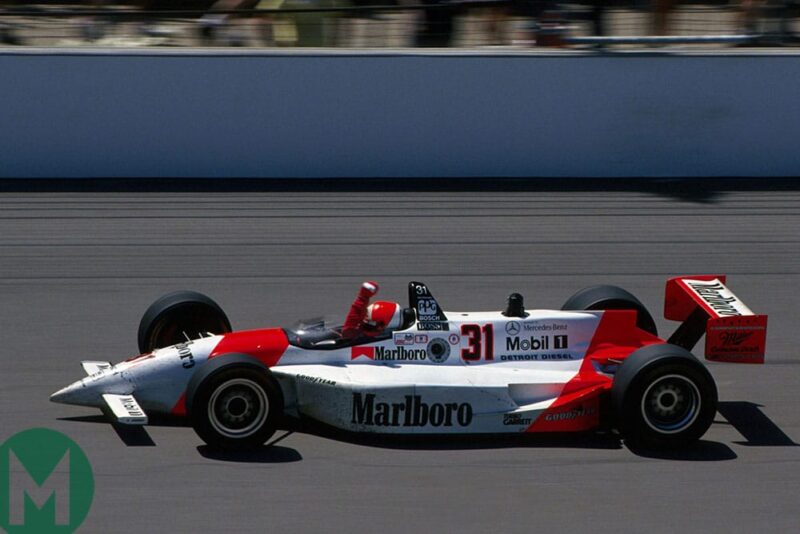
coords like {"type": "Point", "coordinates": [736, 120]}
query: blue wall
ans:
{"type": "Point", "coordinates": [316, 113]}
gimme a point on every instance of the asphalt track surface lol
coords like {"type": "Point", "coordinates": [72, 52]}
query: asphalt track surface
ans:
{"type": "Point", "coordinates": [78, 268]}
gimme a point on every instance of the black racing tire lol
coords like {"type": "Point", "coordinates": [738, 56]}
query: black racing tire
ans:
{"type": "Point", "coordinates": [176, 315]}
{"type": "Point", "coordinates": [611, 298]}
{"type": "Point", "coordinates": [233, 403]}
{"type": "Point", "coordinates": [662, 396]}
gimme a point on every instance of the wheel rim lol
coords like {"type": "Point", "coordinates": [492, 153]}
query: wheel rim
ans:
{"type": "Point", "coordinates": [671, 404]}
{"type": "Point", "coordinates": [238, 408]}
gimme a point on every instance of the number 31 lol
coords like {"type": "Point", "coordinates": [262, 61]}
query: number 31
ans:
{"type": "Point", "coordinates": [477, 337]}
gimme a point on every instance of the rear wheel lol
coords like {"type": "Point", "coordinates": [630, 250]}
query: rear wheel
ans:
{"type": "Point", "coordinates": [611, 298]}
{"type": "Point", "coordinates": [177, 316]}
{"type": "Point", "coordinates": [663, 396]}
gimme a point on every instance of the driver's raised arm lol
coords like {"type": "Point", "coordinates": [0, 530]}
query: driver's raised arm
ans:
{"type": "Point", "coordinates": [358, 310]}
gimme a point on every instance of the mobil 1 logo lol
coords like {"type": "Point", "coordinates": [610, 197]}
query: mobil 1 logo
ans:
{"type": "Point", "coordinates": [536, 343]}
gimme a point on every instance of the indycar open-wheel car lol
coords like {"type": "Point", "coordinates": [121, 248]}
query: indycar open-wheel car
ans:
{"type": "Point", "coordinates": [417, 369]}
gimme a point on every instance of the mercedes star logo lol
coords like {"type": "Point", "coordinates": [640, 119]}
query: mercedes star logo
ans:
{"type": "Point", "coordinates": [512, 328]}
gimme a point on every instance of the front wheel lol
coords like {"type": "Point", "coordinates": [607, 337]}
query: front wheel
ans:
{"type": "Point", "coordinates": [179, 316]}
{"type": "Point", "coordinates": [663, 396]}
{"type": "Point", "coordinates": [236, 408]}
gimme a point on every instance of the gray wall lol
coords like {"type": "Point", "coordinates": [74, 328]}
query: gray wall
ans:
{"type": "Point", "coordinates": [316, 113]}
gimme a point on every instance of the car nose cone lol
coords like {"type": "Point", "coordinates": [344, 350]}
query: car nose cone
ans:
{"type": "Point", "coordinates": [89, 391]}
{"type": "Point", "coordinates": [75, 393]}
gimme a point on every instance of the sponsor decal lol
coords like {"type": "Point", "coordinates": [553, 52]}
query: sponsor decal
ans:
{"type": "Point", "coordinates": [534, 343]}
{"type": "Point", "coordinates": [429, 315]}
{"type": "Point", "coordinates": [410, 338]}
{"type": "Point", "coordinates": [543, 327]}
{"type": "Point", "coordinates": [412, 412]}
{"type": "Point", "coordinates": [404, 339]}
{"type": "Point", "coordinates": [400, 353]}
{"type": "Point", "coordinates": [368, 352]}
{"type": "Point", "coordinates": [516, 419]}
{"type": "Point", "coordinates": [512, 328]}
{"type": "Point", "coordinates": [438, 350]}
{"type": "Point", "coordinates": [316, 380]}
{"type": "Point", "coordinates": [552, 356]}
{"type": "Point", "coordinates": [454, 339]}
{"type": "Point", "coordinates": [46, 483]}
{"type": "Point", "coordinates": [427, 306]}
{"type": "Point", "coordinates": [433, 325]}
{"type": "Point", "coordinates": [185, 354]}
{"type": "Point", "coordinates": [732, 343]}
{"type": "Point", "coordinates": [130, 406]}
{"type": "Point", "coordinates": [580, 411]}
{"type": "Point", "coordinates": [734, 339]}
{"type": "Point", "coordinates": [719, 298]}
{"type": "Point", "coordinates": [95, 376]}
{"type": "Point", "coordinates": [386, 354]}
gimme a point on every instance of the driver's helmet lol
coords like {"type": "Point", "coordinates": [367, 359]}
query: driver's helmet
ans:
{"type": "Point", "coordinates": [381, 315]}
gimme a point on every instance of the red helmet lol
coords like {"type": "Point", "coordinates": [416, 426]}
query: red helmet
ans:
{"type": "Point", "coordinates": [382, 314]}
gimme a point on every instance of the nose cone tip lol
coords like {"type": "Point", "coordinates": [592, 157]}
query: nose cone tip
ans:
{"type": "Point", "coordinates": [73, 394]}
{"type": "Point", "coordinates": [59, 396]}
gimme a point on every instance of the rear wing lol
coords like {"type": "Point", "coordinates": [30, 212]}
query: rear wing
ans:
{"type": "Point", "coordinates": [705, 305]}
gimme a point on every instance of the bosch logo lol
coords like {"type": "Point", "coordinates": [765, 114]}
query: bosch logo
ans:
{"type": "Point", "coordinates": [512, 328]}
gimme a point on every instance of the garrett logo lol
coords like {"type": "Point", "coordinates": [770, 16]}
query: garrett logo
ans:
{"type": "Point", "coordinates": [515, 419]}
{"type": "Point", "coordinates": [734, 339]}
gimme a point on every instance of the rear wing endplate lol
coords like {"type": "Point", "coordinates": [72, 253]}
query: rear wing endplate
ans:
{"type": "Point", "coordinates": [705, 305]}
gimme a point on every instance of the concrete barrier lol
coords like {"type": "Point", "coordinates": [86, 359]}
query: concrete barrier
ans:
{"type": "Point", "coordinates": [98, 113]}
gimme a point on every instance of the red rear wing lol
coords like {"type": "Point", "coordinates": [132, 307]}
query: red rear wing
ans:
{"type": "Point", "coordinates": [705, 305]}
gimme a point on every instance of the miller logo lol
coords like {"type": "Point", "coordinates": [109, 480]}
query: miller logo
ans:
{"type": "Point", "coordinates": [734, 338]}
{"type": "Point", "coordinates": [512, 328]}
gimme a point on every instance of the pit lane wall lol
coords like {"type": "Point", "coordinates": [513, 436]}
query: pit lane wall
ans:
{"type": "Point", "coordinates": [168, 113]}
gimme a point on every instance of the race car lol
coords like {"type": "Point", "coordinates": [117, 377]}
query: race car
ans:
{"type": "Point", "coordinates": [597, 363]}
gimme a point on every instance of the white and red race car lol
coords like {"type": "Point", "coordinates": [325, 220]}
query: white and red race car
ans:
{"type": "Point", "coordinates": [597, 363]}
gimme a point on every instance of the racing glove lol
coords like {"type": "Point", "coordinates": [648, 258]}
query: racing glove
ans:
{"type": "Point", "coordinates": [358, 310]}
